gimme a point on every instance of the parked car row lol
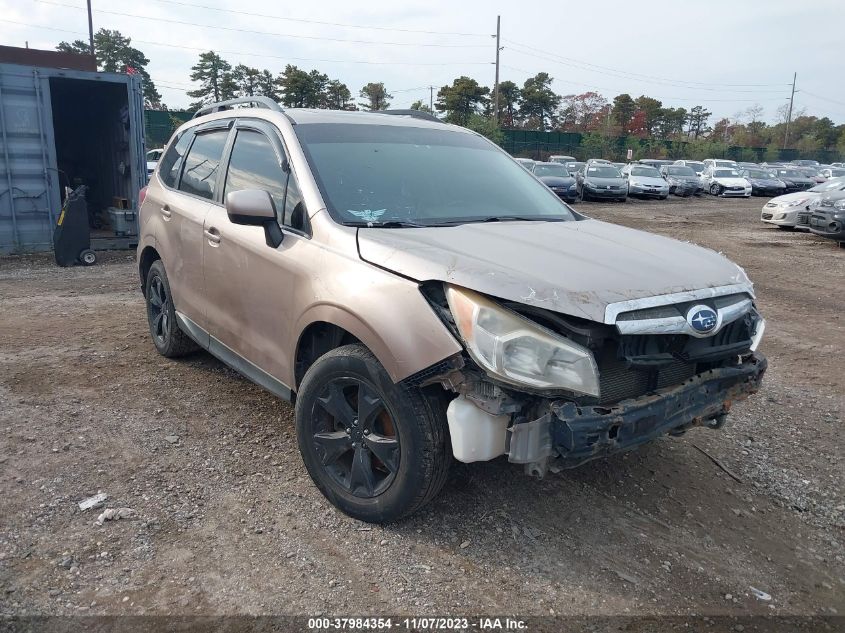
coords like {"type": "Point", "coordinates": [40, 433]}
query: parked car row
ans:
{"type": "Point", "coordinates": [659, 178]}
{"type": "Point", "coordinates": [820, 209]}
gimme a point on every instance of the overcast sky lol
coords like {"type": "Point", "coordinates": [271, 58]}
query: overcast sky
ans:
{"type": "Point", "coordinates": [725, 55]}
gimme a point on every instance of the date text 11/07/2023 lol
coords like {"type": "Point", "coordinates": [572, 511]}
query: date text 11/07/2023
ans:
{"type": "Point", "coordinates": [417, 624]}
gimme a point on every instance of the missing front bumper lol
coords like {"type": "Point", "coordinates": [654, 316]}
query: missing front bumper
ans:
{"type": "Point", "coordinates": [581, 433]}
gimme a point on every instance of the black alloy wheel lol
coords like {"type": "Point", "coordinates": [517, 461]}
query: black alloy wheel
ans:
{"type": "Point", "coordinates": [377, 449]}
{"type": "Point", "coordinates": [158, 306]}
{"type": "Point", "coordinates": [355, 437]}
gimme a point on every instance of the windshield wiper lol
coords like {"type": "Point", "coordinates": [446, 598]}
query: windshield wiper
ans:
{"type": "Point", "coordinates": [390, 224]}
{"type": "Point", "coordinates": [512, 218]}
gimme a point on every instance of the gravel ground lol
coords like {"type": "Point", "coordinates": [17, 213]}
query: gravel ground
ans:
{"type": "Point", "coordinates": [226, 521]}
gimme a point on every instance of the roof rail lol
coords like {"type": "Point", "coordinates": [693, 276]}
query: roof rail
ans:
{"type": "Point", "coordinates": [258, 102]}
{"type": "Point", "coordinates": [417, 114]}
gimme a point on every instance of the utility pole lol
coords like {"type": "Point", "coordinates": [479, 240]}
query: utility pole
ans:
{"type": "Point", "coordinates": [789, 114]}
{"type": "Point", "coordinates": [90, 28]}
{"type": "Point", "coordinates": [431, 98]}
{"type": "Point", "coordinates": [496, 85]}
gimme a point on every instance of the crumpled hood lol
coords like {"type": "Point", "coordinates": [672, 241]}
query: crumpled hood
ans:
{"type": "Point", "coordinates": [575, 268]}
{"type": "Point", "coordinates": [731, 182]}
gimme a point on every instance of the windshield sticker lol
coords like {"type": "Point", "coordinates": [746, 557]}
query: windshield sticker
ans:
{"type": "Point", "coordinates": [368, 215]}
{"type": "Point", "coordinates": [592, 169]}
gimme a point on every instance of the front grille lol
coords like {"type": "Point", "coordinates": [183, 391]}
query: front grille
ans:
{"type": "Point", "coordinates": [619, 382]}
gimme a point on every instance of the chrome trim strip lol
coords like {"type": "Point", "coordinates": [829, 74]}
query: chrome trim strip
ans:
{"type": "Point", "coordinates": [679, 325]}
{"type": "Point", "coordinates": [613, 310]}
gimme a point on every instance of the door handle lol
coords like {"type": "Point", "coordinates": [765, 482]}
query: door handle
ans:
{"type": "Point", "coordinates": [166, 212]}
{"type": "Point", "coordinates": [213, 236]}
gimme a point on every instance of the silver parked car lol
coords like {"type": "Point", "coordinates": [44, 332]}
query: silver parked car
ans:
{"type": "Point", "coordinates": [645, 181]}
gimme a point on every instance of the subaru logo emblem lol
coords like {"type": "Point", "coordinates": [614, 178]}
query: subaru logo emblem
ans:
{"type": "Point", "coordinates": [702, 319]}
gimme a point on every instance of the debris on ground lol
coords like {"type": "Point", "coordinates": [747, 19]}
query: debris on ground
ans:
{"type": "Point", "coordinates": [93, 502]}
{"type": "Point", "coordinates": [113, 514]}
{"type": "Point", "coordinates": [760, 595]}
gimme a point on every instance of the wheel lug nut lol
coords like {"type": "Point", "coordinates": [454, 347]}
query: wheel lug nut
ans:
{"type": "Point", "coordinates": [366, 432]}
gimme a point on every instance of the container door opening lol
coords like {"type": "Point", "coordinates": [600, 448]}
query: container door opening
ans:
{"type": "Point", "coordinates": [91, 123]}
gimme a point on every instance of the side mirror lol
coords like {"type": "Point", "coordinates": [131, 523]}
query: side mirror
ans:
{"type": "Point", "coordinates": [254, 207]}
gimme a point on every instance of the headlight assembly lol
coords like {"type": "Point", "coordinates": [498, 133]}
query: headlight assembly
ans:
{"type": "Point", "coordinates": [517, 350]}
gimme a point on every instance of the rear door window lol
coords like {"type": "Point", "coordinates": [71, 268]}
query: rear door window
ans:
{"type": "Point", "coordinates": [199, 176]}
{"type": "Point", "coordinates": [171, 164]}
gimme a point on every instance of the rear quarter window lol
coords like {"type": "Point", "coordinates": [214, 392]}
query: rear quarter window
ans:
{"type": "Point", "coordinates": [171, 162]}
{"type": "Point", "coordinates": [199, 176]}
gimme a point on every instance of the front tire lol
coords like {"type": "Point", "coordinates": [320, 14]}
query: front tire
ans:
{"type": "Point", "coordinates": [716, 189]}
{"type": "Point", "coordinates": [376, 449]}
{"type": "Point", "coordinates": [169, 340]}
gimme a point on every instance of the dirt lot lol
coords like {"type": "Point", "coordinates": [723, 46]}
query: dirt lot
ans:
{"type": "Point", "coordinates": [226, 519]}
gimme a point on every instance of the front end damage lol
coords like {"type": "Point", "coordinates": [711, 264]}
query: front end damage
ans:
{"type": "Point", "coordinates": [655, 379]}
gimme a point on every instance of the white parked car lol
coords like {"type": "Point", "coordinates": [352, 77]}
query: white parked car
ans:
{"type": "Point", "coordinates": [833, 172]}
{"type": "Point", "coordinates": [724, 181]}
{"type": "Point", "coordinates": [793, 210]}
{"type": "Point", "coordinates": [790, 211]}
{"type": "Point", "coordinates": [696, 165]}
{"type": "Point", "coordinates": [525, 162]}
{"type": "Point", "coordinates": [719, 162]}
{"type": "Point", "coordinates": [153, 156]}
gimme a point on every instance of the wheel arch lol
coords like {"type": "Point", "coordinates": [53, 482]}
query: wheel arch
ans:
{"type": "Point", "coordinates": [146, 259]}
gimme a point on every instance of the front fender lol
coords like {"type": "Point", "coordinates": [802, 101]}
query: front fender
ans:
{"type": "Point", "coordinates": [394, 321]}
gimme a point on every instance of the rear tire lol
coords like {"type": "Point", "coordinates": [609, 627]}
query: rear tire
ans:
{"type": "Point", "coordinates": [377, 450]}
{"type": "Point", "coordinates": [168, 338]}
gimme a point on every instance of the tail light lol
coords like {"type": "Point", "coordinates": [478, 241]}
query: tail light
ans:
{"type": "Point", "coordinates": [141, 195]}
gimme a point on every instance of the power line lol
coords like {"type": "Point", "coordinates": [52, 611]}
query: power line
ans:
{"type": "Point", "coordinates": [606, 89]}
{"type": "Point", "coordinates": [804, 91]}
{"type": "Point", "coordinates": [622, 74]}
{"type": "Point", "coordinates": [262, 55]}
{"type": "Point", "coordinates": [320, 22]}
{"type": "Point", "coordinates": [255, 32]}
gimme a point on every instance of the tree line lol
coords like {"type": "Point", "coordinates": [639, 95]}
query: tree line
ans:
{"type": "Point", "coordinates": [532, 106]}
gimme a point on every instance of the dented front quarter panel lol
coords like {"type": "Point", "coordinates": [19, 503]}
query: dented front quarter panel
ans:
{"type": "Point", "coordinates": [577, 268]}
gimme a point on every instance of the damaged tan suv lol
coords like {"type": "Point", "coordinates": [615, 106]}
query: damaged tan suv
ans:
{"type": "Point", "coordinates": [420, 297]}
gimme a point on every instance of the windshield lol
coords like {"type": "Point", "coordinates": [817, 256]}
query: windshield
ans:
{"type": "Point", "coordinates": [835, 173]}
{"type": "Point", "coordinates": [726, 173]}
{"type": "Point", "coordinates": [789, 173]}
{"type": "Point", "coordinates": [550, 170]}
{"type": "Point", "coordinates": [724, 163]}
{"type": "Point", "coordinates": [390, 173]}
{"type": "Point", "coordinates": [647, 172]}
{"type": "Point", "coordinates": [696, 166]}
{"type": "Point", "coordinates": [680, 171]}
{"type": "Point", "coordinates": [759, 173]}
{"type": "Point", "coordinates": [602, 171]}
{"type": "Point", "coordinates": [830, 185]}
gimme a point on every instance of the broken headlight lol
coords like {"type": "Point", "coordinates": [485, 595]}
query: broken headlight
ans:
{"type": "Point", "coordinates": [520, 351]}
